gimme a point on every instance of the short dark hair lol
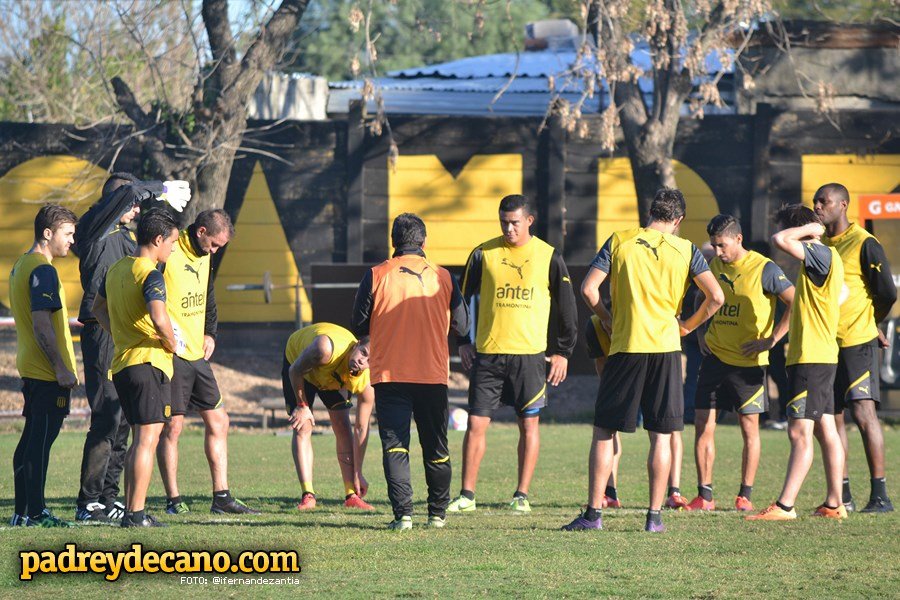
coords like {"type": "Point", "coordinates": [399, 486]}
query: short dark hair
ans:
{"type": "Point", "coordinates": [407, 230]}
{"type": "Point", "coordinates": [795, 215]}
{"type": "Point", "coordinates": [514, 202]}
{"type": "Point", "coordinates": [215, 220]}
{"type": "Point", "coordinates": [51, 216]}
{"type": "Point", "coordinates": [724, 225]}
{"type": "Point", "coordinates": [117, 180]}
{"type": "Point", "coordinates": [154, 222]}
{"type": "Point", "coordinates": [668, 205]}
{"type": "Point", "coordinates": [835, 189]}
{"type": "Point", "coordinates": [363, 340]}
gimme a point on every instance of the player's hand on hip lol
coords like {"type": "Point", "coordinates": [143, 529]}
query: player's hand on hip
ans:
{"type": "Point", "coordinates": [756, 346]}
{"type": "Point", "coordinates": [467, 356]}
{"type": "Point", "coordinates": [176, 193]}
{"type": "Point", "coordinates": [66, 378]}
{"type": "Point", "coordinates": [882, 340]}
{"type": "Point", "coordinates": [559, 366]}
{"type": "Point", "coordinates": [209, 346]}
{"type": "Point", "coordinates": [300, 416]}
{"type": "Point", "coordinates": [682, 330]}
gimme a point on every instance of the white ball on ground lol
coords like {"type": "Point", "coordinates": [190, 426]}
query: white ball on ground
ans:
{"type": "Point", "coordinates": [459, 419]}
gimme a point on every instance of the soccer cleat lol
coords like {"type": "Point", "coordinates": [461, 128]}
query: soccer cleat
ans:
{"type": "Point", "coordinates": [94, 512]}
{"type": "Point", "coordinates": [520, 505]}
{"type": "Point", "coordinates": [18, 520]}
{"type": "Point", "coordinates": [307, 502]}
{"type": "Point", "coordinates": [46, 519]}
{"type": "Point", "coordinates": [177, 508]}
{"type": "Point", "coordinates": [461, 504]}
{"type": "Point", "coordinates": [773, 512]}
{"type": "Point", "coordinates": [147, 521]}
{"type": "Point", "coordinates": [354, 501]}
{"type": "Point", "coordinates": [677, 502]}
{"type": "Point", "coordinates": [436, 522]}
{"type": "Point", "coordinates": [699, 503]}
{"type": "Point", "coordinates": [233, 507]}
{"type": "Point", "coordinates": [116, 511]}
{"type": "Point", "coordinates": [652, 527]}
{"type": "Point", "coordinates": [610, 503]}
{"type": "Point", "coordinates": [742, 504]}
{"type": "Point", "coordinates": [831, 513]}
{"type": "Point", "coordinates": [401, 524]}
{"type": "Point", "coordinates": [583, 524]}
{"type": "Point", "coordinates": [850, 505]}
{"type": "Point", "coordinates": [878, 505]}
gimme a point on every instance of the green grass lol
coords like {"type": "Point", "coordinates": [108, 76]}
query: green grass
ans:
{"type": "Point", "coordinates": [491, 552]}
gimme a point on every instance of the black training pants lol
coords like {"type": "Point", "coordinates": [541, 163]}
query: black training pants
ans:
{"type": "Point", "coordinates": [43, 420]}
{"type": "Point", "coordinates": [395, 405]}
{"type": "Point", "coordinates": [107, 438]}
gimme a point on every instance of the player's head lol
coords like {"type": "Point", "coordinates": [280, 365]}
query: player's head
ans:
{"type": "Point", "coordinates": [516, 218]}
{"type": "Point", "coordinates": [114, 182]}
{"type": "Point", "coordinates": [408, 231]}
{"type": "Point", "coordinates": [359, 356]}
{"type": "Point", "coordinates": [54, 229]}
{"type": "Point", "coordinates": [726, 237]}
{"type": "Point", "coordinates": [213, 229]}
{"type": "Point", "coordinates": [796, 215]}
{"type": "Point", "coordinates": [158, 230]}
{"type": "Point", "coordinates": [668, 206]}
{"type": "Point", "coordinates": [830, 203]}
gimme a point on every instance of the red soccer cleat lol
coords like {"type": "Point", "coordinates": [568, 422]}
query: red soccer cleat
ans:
{"type": "Point", "coordinates": [610, 503]}
{"type": "Point", "coordinates": [677, 502]}
{"type": "Point", "coordinates": [355, 501]}
{"type": "Point", "coordinates": [742, 504]}
{"type": "Point", "coordinates": [699, 503]}
{"type": "Point", "coordinates": [307, 502]}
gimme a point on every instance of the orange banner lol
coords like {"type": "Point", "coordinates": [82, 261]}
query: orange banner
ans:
{"type": "Point", "coordinates": [879, 206]}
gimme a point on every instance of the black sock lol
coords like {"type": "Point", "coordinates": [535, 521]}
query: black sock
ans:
{"type": "Point", "coordinates": [135, 516]}
{"type": "Point", "coordinates": [175, 500]}
{"type": "Point", "coordinates": [222, 497]}
{"type": "Point", "coordinates": [746, 490]}
{"type": "Point", "coordinates": [592, 514]}
{"type": "Point", "coordinates": [611, 493]}
{"type": "Point", "coordinates": [784, 507]}
{"type": "Point", "coordinates": [705, 491]}
{"type": "Point", "coordinates": [468, 494]}
{"type": "Point", "coordinates": [846, 496]}
{"type": "Point", "coordinates": [879, 488]}
{"type": "Point", "coordinates": [654, 516]}
{"type": "Point", "coordinates": [521, 495]}
{"type": "Point", "coordinates": [674, 491]}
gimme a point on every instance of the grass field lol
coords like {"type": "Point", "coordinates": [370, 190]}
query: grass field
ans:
{"type": "Point", "coordinates": [489, 553]}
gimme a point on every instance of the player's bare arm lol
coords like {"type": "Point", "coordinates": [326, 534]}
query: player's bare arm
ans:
{"type": "Point", "coordinates": [791, 240]}
{"type": "Point", "coordinates": [317, 353]}
{"type": "Point", "coordinates": [46, 339]}
{"type": "Point", "coordinates": [164, 331]}
{"type": "Point", "coordinates": [590, 291]}
{"type": "Point", "coordinates": [365, 402]}
{"type": "Point", "coordinates": [100, 311]}
{"type": "Point", "coordinates": [713, 298]}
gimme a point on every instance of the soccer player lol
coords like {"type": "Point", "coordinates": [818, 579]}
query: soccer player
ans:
{"type": "Point", "coordinates": [872, 292]}
{"type": "Point", "coordinates": [649, 269]}
{"type": "Point", "coordinates": [408, 305]}
{"type": "Point", "coordinates": [102, 238]}
{"type": "Point", "coordinates": [131, 305]}
{"type": "Point", "coordinates": [45, 358]}
{"type": "Point", "coordinates": [520, 281]}
{"type": "Point", "coordinates": [736, 351]}
{"type": "Point", "coordinates": [191, 303]}
{"type": "Point", "coordinates": [811, 362]}
{"type": "Point", "coordinates": [323, 360]}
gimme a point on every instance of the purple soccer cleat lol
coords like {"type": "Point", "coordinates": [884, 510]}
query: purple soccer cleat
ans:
{"type": "Point", "coordinates": [654, 527]}
{"type": "Point", "coordinates": [582, 524]}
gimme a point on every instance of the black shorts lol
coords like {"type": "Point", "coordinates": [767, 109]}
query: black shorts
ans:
{"type": "Point", "coordinates": [721, 386]}
{"type": "Point", "coordinates": [44, 398]}
{"type": "Point", "coordinates": [858, 375]}
{"type": "Point", "coordinates": [332, 399]}
{"type": "Point", "coordinates": [145, 393]}
{"type": "Point", "coordinates": [517, 380]}
{"type": "Point", "coordinates": [811, 391]}
{"type": "Point", "coordinates": [194, 385]}
{"type": "Point", "coordinates": [649, 382]}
